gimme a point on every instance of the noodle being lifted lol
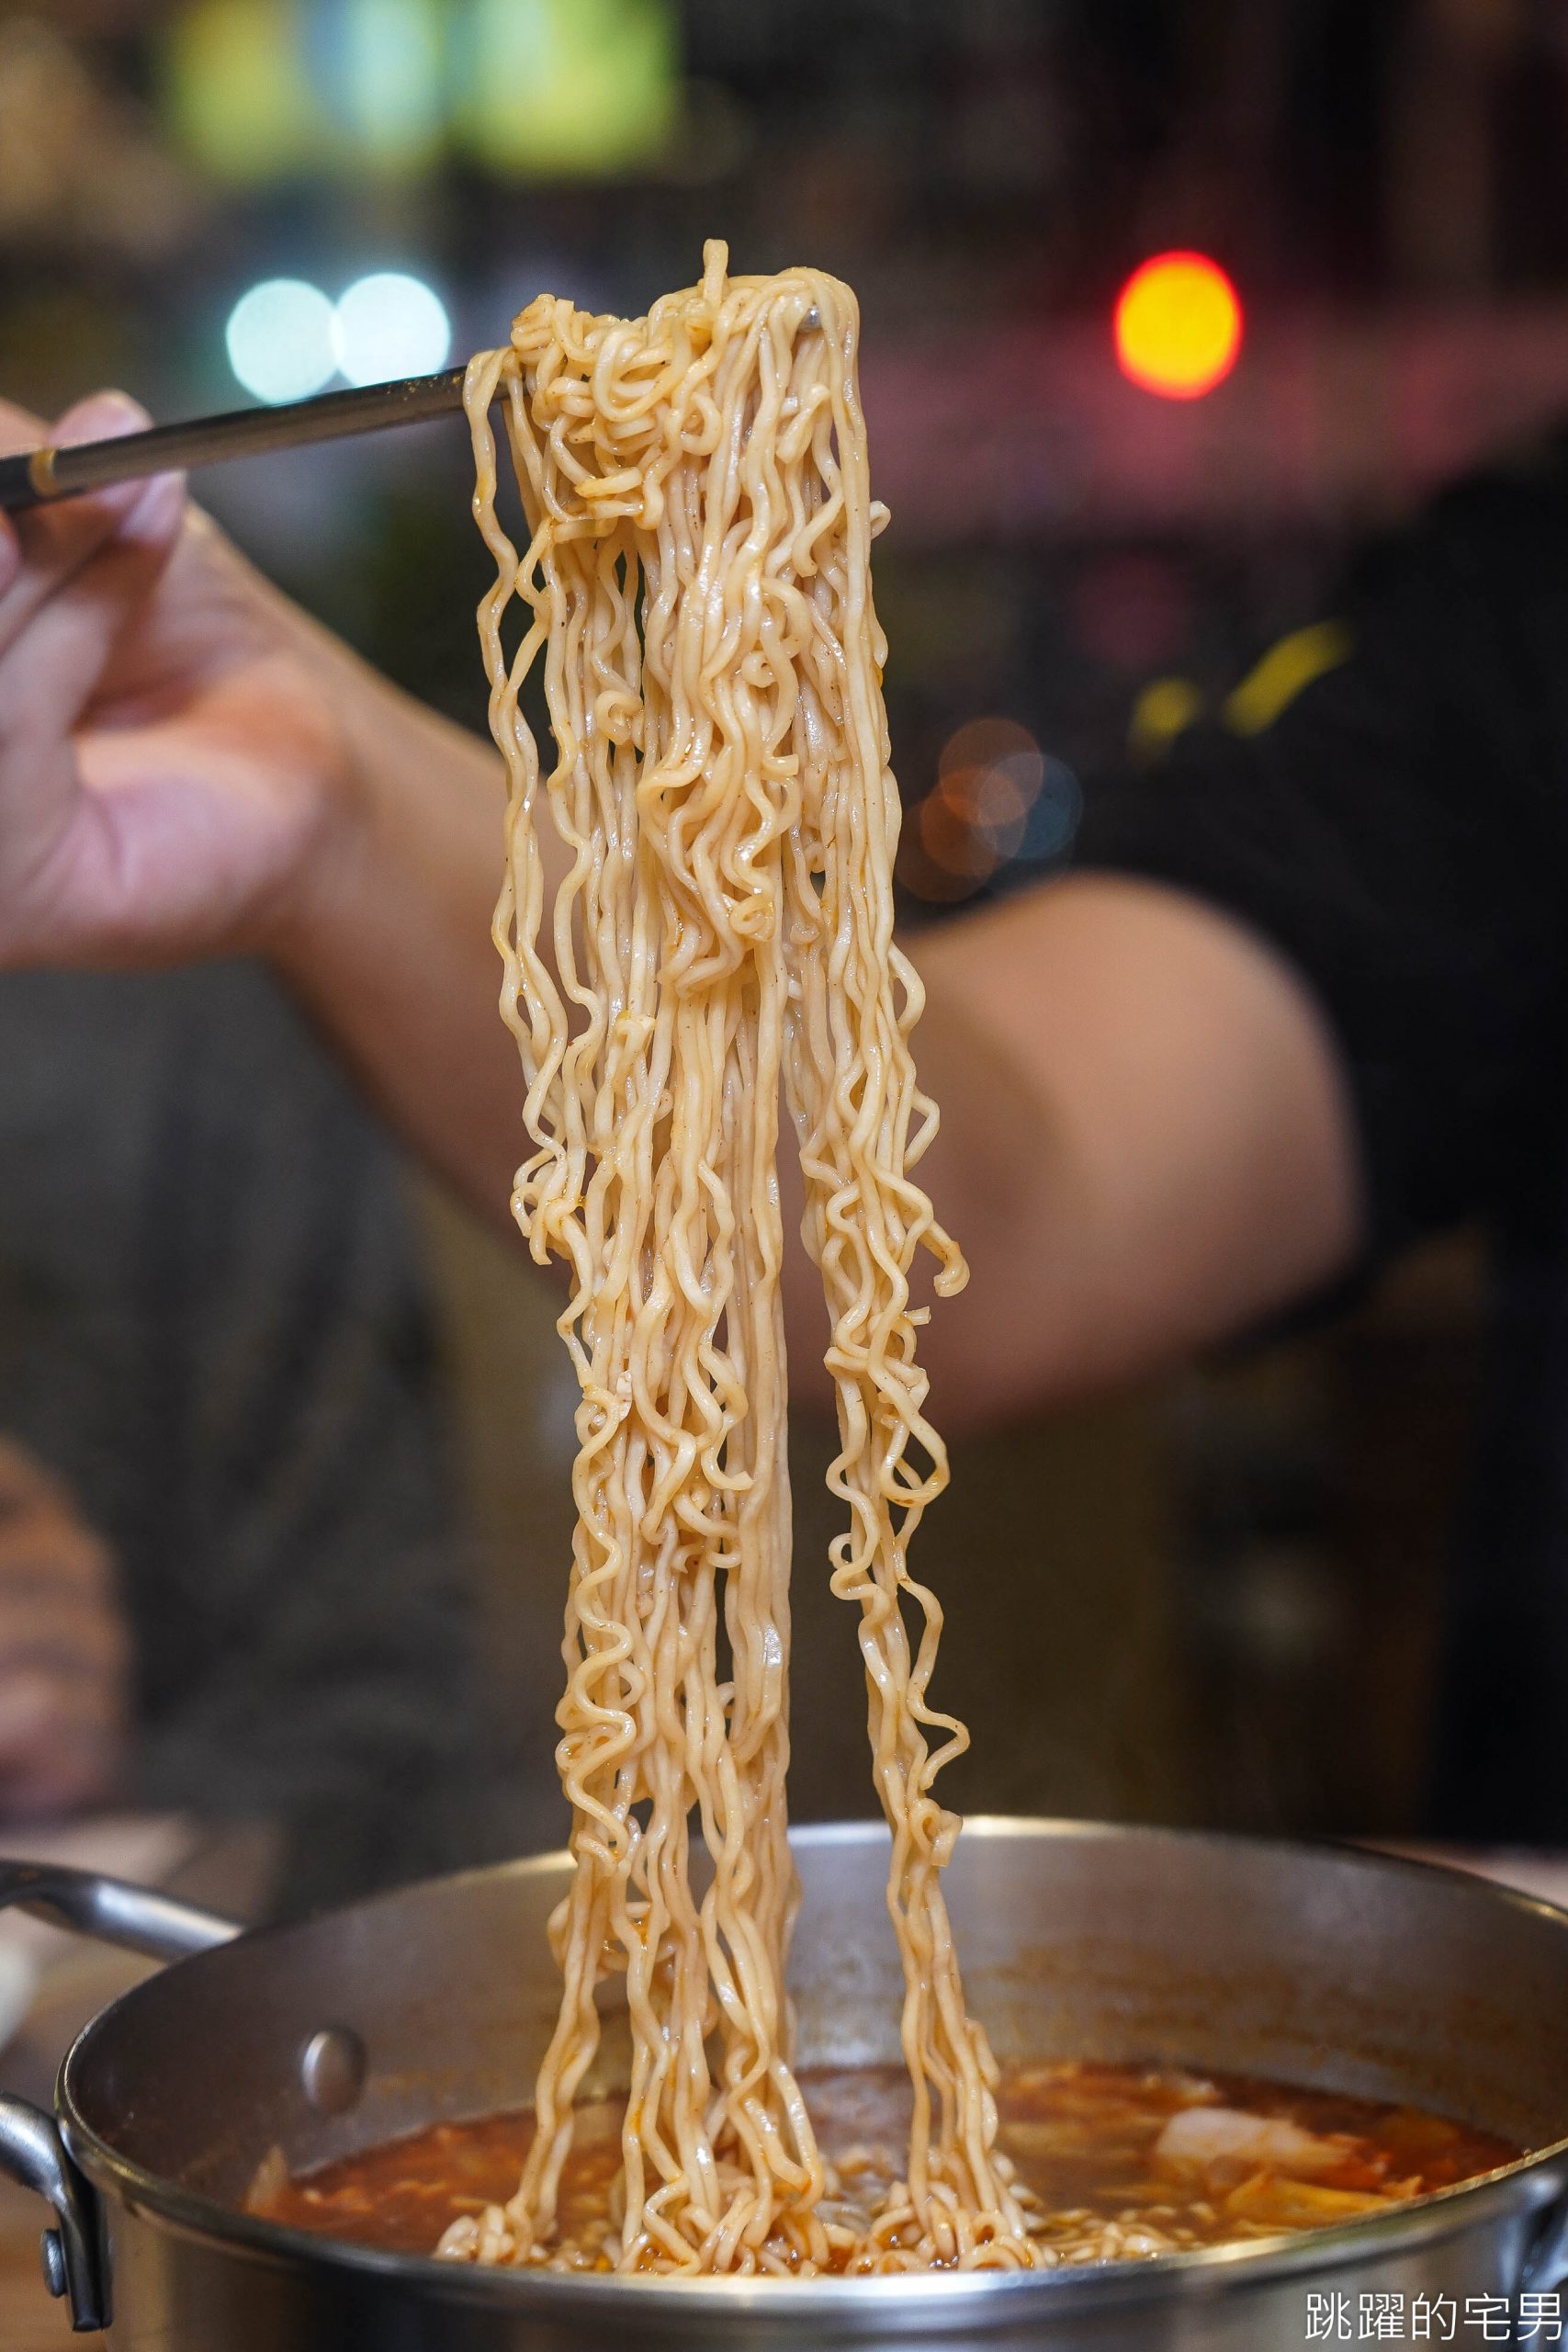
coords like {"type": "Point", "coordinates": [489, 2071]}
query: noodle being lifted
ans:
{"type": "Point", "coordinates": [698, 581]}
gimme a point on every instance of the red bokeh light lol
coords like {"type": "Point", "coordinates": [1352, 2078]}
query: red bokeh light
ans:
{"type": "Point", "coordinates": [1179, 326]}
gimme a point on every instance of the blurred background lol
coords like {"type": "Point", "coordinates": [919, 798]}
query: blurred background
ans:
{"type": "Point", "coordinates": [1223, 1598]}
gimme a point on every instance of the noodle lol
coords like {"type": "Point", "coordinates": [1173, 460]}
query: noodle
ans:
{"type": "Point", "coordinates": [698, 585]}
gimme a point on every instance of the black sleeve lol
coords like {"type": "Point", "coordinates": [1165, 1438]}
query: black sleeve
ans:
{"type": "Point", "coordinates": [1399, 833]}
{"type": "Point", "coordinates": [307, 1630]}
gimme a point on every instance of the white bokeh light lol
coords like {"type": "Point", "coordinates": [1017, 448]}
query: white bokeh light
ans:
{"type": "Point", "coordinates": [390, 324]}
{"type": "Point", "coordinates": [281, 340]}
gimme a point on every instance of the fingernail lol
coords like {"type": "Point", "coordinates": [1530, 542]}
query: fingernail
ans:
{"type": "Point", "coordinates": [154, 508]}
{"type": "Point", "coordinates": [162, 505]}
{"type": "Point", "coordinates": [10, 555]}
{"type": "Point", "coordinates": [102, 416]}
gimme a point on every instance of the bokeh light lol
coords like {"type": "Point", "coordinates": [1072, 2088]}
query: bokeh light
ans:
{"type": "Point", "coordinates": [391, 324]}
{"type": "Point", "coordinates": [568, 88]}
{"type": "Point", "coordinates": [1178, 326]}
{"type": "Point", "coordinates": [1164, 709]}
{"type": "Point", "coordinates": [380, 68]}
{"type": "Point", "coordinates": [239, 90]}
{"type": "Point", "coordinates": [1053, 819]}
{"type": "Point", "coordinates": [998, 800]}
{"type": "Point", "coordinates": [281, 340]}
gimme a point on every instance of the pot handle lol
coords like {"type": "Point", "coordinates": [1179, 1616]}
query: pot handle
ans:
{"type": "Point", "coordinates": [136, 1917]}
{"type": "Point", "coordinates": [139, 1919]}
{"type": "Point", "coordinates": [33, 2153]}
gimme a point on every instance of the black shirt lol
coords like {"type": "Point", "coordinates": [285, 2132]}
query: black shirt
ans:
{"type": "Point", "coordinates": [213, 1328]}
{"type": "Point", "coordinates": [1400, 830]}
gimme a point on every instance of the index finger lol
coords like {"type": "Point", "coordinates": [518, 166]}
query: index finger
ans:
{"type": "Point", "coordinates": [45, 546]}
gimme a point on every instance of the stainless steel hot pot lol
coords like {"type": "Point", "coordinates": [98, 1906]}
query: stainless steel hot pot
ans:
{"type": "Point", "coordinates": [1318, 1965]}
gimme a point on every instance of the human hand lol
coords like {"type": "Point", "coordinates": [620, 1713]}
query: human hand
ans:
{"type": "Point", "coordinates": [64, 1652]}
{"type": "Point", "coordinates": [190, 766]}
{"type": "Point", "coordinates": [172, 745]}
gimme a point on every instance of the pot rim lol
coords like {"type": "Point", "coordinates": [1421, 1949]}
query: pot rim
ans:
{"type": "Point", "coordinates": [1528, 2185]}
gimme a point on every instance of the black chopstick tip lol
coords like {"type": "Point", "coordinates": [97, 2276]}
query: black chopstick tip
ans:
{"type": "Point", "coordinates": [24, 481]}
{"type": "Point", "coordinates": [33, 476]}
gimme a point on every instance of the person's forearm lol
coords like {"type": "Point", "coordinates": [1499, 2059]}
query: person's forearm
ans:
{"type": "Point", "coordinates": [1145, 1141]}
{"type": "Point", "coordinates": [387, 940]}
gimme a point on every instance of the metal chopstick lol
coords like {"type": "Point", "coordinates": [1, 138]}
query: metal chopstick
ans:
{"type": "Point", "coordinates": [34, 476]}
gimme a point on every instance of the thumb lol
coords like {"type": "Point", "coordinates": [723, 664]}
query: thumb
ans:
{"type": "Point", "coordinates": [101, 416]}
{"type": "Point", "coordinates": [49, 545]}
{"type": "Point", "coordinates": [145, 512]}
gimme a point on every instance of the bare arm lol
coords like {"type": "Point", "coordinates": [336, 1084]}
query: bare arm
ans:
{"type": "Point", "coordinates": [1145, 1141]}
{"type": "Point", "coordinates": [387, 937]}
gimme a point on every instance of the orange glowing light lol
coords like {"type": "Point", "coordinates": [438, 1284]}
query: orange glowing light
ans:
{"type": "Point", "coordinates": [1179, 326]}
{"type": "Point", "coordinates": [974, 820]}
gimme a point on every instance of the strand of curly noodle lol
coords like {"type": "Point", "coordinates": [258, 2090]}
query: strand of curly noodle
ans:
{"type": "Point", "coordinates": [698, 582]}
